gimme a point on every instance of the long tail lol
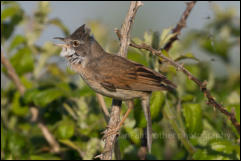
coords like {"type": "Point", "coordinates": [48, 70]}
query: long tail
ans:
{"type": "Point", "coordinates": [147, 112]}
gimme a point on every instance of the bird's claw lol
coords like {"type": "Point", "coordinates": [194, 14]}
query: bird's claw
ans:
{"type": "Point", "coordinates": [108, 132]}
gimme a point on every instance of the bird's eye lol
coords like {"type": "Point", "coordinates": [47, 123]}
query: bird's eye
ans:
{"type": "Point", "coordinates": [76, 43]}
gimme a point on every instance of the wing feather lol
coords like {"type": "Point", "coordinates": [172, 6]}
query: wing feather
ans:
{"type": "Point", "coordinates": [120, 73]}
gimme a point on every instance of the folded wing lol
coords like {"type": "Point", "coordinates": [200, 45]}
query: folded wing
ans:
{"type": "Point", "coordinates": [123, 74]}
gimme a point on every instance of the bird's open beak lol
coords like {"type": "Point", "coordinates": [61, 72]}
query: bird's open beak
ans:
{"type": "Point", "coordinates": [59, 38]}
{"type": "Point", "coordinates": [62, 45]}
{"type": "Point", "coordinates": [62, 39]}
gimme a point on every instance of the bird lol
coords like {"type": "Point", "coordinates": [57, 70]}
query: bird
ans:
{"type": "Point", "coordinates": [112, 75]}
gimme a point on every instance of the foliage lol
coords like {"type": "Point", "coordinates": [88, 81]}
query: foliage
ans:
{"type": "Point", "coordinates": [184, 126]}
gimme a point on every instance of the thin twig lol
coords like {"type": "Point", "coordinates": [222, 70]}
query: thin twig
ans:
{"type": "Point", "coordinates": [34, 110]}
{"type": "Point", "coordinates": [103, 107]}
{"type": "Point", "coordinates": [180, 25]}
{"type": "Point", "coordinates": [110, 141]}
{"type": "Point", "coordinates": [49, 137]}
{"type": "Point", "coordinates": [202, 85]}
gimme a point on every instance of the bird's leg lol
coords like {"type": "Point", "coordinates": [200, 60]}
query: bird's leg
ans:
{"type": "Point", "coordinates": [146, 108]}
{"type": "Point", "coordinates": [116, 130]}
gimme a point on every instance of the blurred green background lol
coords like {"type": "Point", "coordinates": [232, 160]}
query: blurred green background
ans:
{"type": "Point", "coordinates": [184, 126]}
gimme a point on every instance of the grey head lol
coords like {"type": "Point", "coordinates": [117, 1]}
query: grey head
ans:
{"type": "Point", "coordinates": [77, 46]}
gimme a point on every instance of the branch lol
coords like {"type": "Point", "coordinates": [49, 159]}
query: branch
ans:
{"type": "Point", "coordinates": [34, 110]}
{"type": "Point", "coordinates": [116, 104]}
{"type": "Point", "coordinates": [12, 74]}
{"type": "Point", "coordinates": [180, 25]}
{"type": "Point", "coordinates": [126, 27]}
{"type": "Point", "coordinates": [202, 85]}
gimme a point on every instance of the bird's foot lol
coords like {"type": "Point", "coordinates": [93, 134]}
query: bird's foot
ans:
{"type": "Point", "coordinates": [111, 131]}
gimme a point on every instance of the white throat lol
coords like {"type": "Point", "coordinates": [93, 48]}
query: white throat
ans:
{"type": "Point", "coordinates": [66, 52]}
{"type": "Point", "coordinates": [72, 56]}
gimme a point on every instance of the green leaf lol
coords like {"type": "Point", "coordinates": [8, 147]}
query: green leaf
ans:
{"type": "Point", "coordinates": [16, 143]}
{"type": "Point", "coordinates": [71, 144]}
{"type": "Point", "coordinates": [91, 148]}
{"type": "Point", "coordinates": [186, 56]}
{"type": "Point", "coordinates": [29, 95]}
{"type": "Point", "coordinates": [205, 155]}
{"type": "Point", "coordinates": [26, 82]}
{"type": "Point", "coordinates": [220, 150]}
{"type": "Point", "coordinates": [187, 98]}
{"type": "Point", "coordinates": [235, 106]}
{"type": "Point", "coordinates": [65, 129]}
{"type": "Point", "coordinates": [49, 48]}
{"type": "Point", "coordinates": [133, 133]}
{"type": "Point", "coordinates": [9, 11]}
{"type": "Point", "coordinates": [193, 118]}
{"type": "Point", "coordinates": [237, 112]}
{"type": "Point", "coordinates": [137, 40]}
{"type": "Point", "coordinates": [10, 17]}
{"type": "Point", "coordinates": [137, 57]}
{"type": "Point", "coordinates": [190, 85]}
{"type": "Point", "coordinates": [56, 71]}
{"type": "Point", "coordinates": [165, 33]}
{"type": "Point", "coordinates": [148, 37]}
{"type": "Point", "coordinates": [71, 90]}
{"type": "Point", "coordinates": [57, 22]}
{"type": "Point", "coordinates": [84, 91]}
{"type": "Point", "coordinates": [66, 87]}
{"type": "Point", "coordinates": [23, 61]}
{"type": "Point", "coordinates": [44, 157]}
{"type": "Point", "coordinates": [42, 11]}
{"type": "Point", "coordinates": [17, 108]}
{"type": "Point", "coordinates": [217, 47]}
{"type": "Point", "coordinates": [224, 146]}
{"type": "Point", "coordinates": [43, 98]}
{"type": "Point", "coordinates": [123, 143]}
{"type": "Point", "coordinates": [165, 36]}
{"type": "Point", "coordinates": [157, 102]}
{"type": "Point", "coordinates": [155, 40]}
{"type": "Point", "coordinates": [165, 53]}
{"type": "Point", "coordinates": [139, 115]}
{"type": "Point", "coordinates": [3, 137]}
{"type": "Point", "coordinates": [199, 155]}
{"type": "Point", "coordinates": [17, 40]}
{"type": "Point", "coordinates": [49, 92]}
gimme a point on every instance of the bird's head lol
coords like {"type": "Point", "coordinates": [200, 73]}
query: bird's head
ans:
{"type": "Point", "coordinates": [76, 47]}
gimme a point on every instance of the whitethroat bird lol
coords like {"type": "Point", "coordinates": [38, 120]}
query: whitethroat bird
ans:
{"type": "Point", "coordinates": [112, 75]}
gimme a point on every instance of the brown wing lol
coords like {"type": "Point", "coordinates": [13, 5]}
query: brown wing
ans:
{"type": "Point", "coordinates": [115, 72]}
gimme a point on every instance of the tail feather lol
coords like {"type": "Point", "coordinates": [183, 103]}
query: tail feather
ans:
{"type": "Point", "coordinates": [146, 109]}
